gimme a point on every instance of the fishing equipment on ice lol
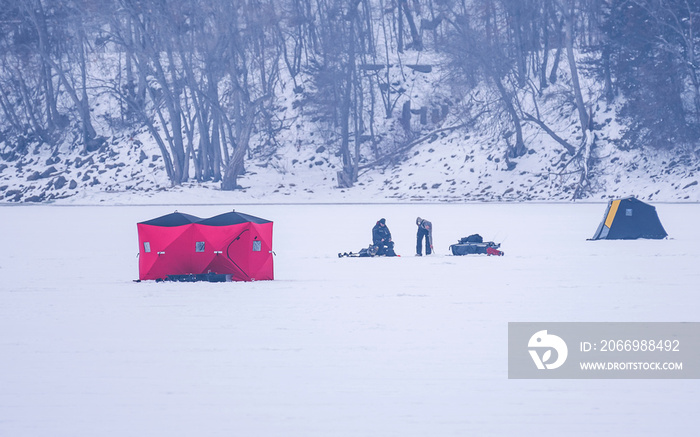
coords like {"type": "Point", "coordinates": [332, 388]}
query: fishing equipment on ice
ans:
{"type": "Point", "coordinates": [475, 244]}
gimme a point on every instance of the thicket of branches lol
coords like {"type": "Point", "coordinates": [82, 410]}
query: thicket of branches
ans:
{"type": "Point", "coordinates": [203, 76]}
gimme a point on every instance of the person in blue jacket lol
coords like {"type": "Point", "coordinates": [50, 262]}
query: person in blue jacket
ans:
{"type": "Point", "coordinates": [381, 238]}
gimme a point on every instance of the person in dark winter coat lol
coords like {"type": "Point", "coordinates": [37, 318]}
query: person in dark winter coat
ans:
{"type": "Point", "coordinates": [425, 229]}
{"type": "Point", "coordinates": [381, 237]}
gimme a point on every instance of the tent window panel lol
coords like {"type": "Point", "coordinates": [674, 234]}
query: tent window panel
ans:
{"type": "Point", "coordinates": [199, 246]}
{"type": "Point", "coordinates": [147, 247]}
{"type": "Point", "coordinates": [257, 246]}
{"type": "Point", "coordinates": [628, 212]}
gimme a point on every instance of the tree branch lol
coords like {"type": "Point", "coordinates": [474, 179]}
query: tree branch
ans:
{"type": "Point", "coordinates": [569, 148]}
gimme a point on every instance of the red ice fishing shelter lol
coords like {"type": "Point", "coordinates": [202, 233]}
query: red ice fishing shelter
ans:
{"type": "Point", "coordinates": [233, 243]}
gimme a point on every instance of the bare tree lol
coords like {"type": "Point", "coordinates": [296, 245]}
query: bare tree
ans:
{"type": "Point", "coordinates": [251, 58]}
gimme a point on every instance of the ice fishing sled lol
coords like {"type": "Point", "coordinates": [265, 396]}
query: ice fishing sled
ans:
{"type": "Point", "coordinates": [475, 244]}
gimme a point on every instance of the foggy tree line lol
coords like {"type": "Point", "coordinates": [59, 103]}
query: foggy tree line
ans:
{"type": "Point", "coordinates": [204, 76]}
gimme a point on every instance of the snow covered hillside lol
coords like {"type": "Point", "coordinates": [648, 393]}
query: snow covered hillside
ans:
{"type": "Point", "coordinates": [381, 347]}
{"type": "Point", "coordinates": [305, 101]}
{"type": "Point", "coordinates": [453, 167]}
{"type": "Point", "coordinates": [449, 161]}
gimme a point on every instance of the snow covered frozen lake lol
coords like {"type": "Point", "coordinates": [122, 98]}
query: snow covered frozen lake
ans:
{"type": "Point", "coordinates": [403, 346]}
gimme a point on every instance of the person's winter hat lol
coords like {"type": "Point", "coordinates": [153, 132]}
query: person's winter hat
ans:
{"type": "Point", "coordinates": [382, 221]}
{"type": "Point", "coordinates": [418, 220]}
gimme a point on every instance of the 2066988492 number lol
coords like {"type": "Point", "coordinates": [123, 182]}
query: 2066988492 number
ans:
{"type": "Point", "coordinates": [640, 346]}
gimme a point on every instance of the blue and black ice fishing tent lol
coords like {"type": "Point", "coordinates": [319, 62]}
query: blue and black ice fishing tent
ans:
{"type": "Point", "coordinates": [629, 219]}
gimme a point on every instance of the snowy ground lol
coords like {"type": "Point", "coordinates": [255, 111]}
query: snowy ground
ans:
{"type": "Point", "coordinates": [334, 347]}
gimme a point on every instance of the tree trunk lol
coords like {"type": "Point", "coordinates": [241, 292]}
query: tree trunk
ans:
{"type": "Point", "coordinates": [38, 19]}
{"type": "Point", "coordinates": [400, 28]}
{"type": "Point", "coordinates": [545, 51]}
{"type": "Point", "coordinates": [235, 167]}
{"type": "Point", "coordinates": [83, 106]}
{"type": "Point", "coordinates": [569, 35]}
{"type": "Point", "coordinates": [519, 149]}
{"type": "Point", "coordinates": [89, 133]}
{"type": "Point", "coordinates": [557, 56]}
{"type": "Point", "coordinates": [415, 36]}
{"type": "Point", "coordinates": [608, 88]}
{"type": "Point", "coordinates": [345, 113]}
